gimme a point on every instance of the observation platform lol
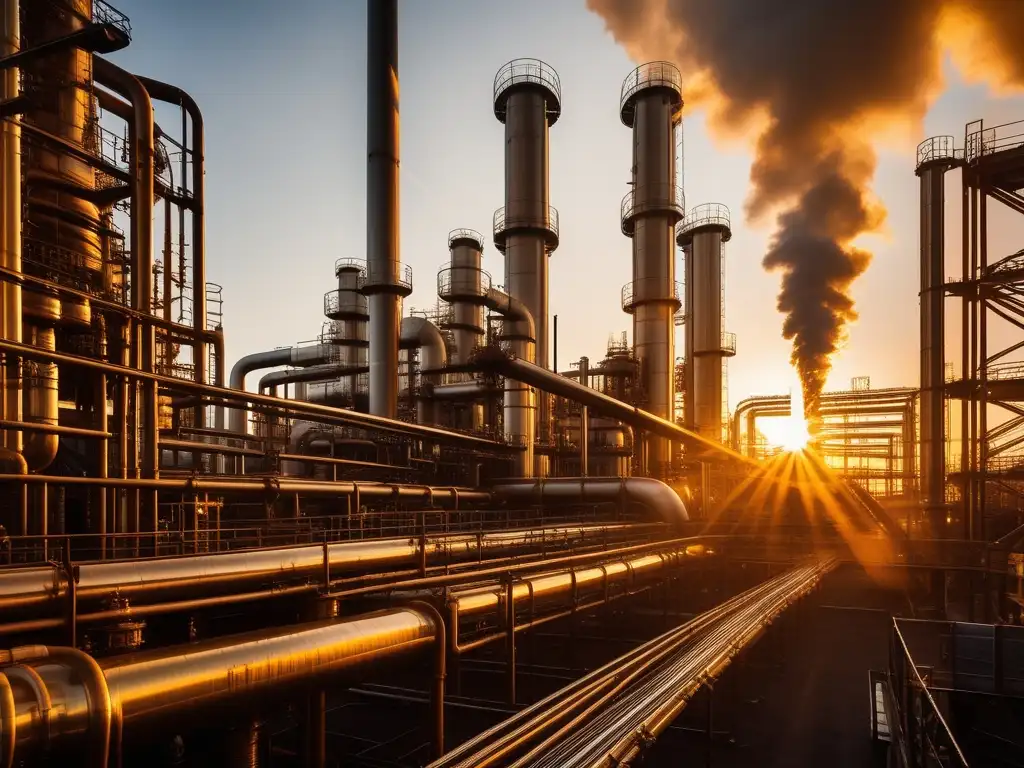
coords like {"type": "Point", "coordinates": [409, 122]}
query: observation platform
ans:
{"type": "Point", "coordinates": [665, 199]}
{"type": "Point", "coordinates": [531, 74]}
{"type": "Point", "coordinates": [707, 217]}
{"type": "Point", "coordinates": [997, 154]}
{"type": "Point", "coordinates": [464, 236]}
{"type": "Point", "coordinates": [656, 75]}
{"type": "Point", "coordinates": [645, 290]}
{"type": "Point", "coordinates": [509, 225]}
{"type": "Point", "coordinates": [466, 285]}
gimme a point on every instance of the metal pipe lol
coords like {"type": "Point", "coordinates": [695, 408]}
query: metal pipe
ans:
{"type": "Point", "coordinates": [584, 420]}
{"type": "Point", "coordinates": [321, 412]}
{"type": "Point", "coordinates": [522, 370]}
{"type": "Point", "coordinates": [313, 355]}
{"type": "Point", "coordinates": [832, 403]}
{"type": "Point", "coordinates": [174, 95]}
{"type": "Point", "coordinates": [475, 389]}
{"type": "Point", "coordinates": [10, 216]}
{"type": "Point", "coordinates": [650, 103]}
{"type": "Point", "coordinates": [385, 285]}
{"type": "Point", "coordinates": [651, 493]}
{"type": "Point", "coordinates": [520, 330]}
{"type": "Point", "coordinates": [314, 373]}
{"type": "Point", "coordinates": [527, 99]}
{"type": "Point", "coordinates": [152, 580]}
{"type": "Point", "coordinates": [144, 346]}
{"type": "Point", "coordinates": [178, 683]}
{"type": "Point", "coordinates": [420, 333]}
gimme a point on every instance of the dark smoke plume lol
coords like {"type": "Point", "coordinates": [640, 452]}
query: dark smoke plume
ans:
{"type": "Point", "coordinates": [812, 82]}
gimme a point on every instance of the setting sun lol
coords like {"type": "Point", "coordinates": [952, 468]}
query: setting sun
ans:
{"type": "Point", "coordinates": [791, 433]}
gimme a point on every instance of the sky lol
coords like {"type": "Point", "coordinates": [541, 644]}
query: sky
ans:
{"type": "Point", "coordinates": [282, 87]}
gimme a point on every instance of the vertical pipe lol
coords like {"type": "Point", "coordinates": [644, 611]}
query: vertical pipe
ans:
{"type": "Point", "coordinates": [384, 283]}
{"type": "Point", "coordinates": [935, 158]}
{"type": "Point", "coordinates": [982, 313]}
{"type": "Point", "coordinates": [554, 344]}
{"type": "Point", "coordinates": [510, 638]}
{"type": "Point", "coordinates": [10, 218]}
{"type": "Point", "coordinates": [650, 104]}
{"type": "Point", "coordinates": [527, 99]}
{"type": "Point", "coordinates": [965, 360]}
{"type": "Point", "coordinates": [584, 420]}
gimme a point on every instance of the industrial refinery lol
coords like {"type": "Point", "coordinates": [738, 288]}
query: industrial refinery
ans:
{"type": "Point", "coordinates": [413, 540]}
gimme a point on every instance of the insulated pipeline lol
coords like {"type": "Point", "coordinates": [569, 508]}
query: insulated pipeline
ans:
{"type": "Point", "coordinates": [34, 589]}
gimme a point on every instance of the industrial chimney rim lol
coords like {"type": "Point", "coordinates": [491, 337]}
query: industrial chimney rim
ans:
{"type": "Point", "coordinates": [938, 151]}
{"type": "Point", "coordinates": [463, 236]}
{"type": "Point", "coordinates": [662, 75]}
{"type": "Point", "coordinates": [528, 73]}
{"type": "Point", "coordinates": [706, 217]}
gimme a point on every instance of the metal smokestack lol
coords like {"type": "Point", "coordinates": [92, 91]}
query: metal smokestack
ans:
{"type": "Point", "coordinates": [650, 104]}
{"type": "Point", "coordinates": [387, 280]}
{"type": "Point", "coordinates": [528, 100]}
{"type": "Point", "coordinates": [701, 236]}
{"type": "Point", "coordinates": [934, 157]}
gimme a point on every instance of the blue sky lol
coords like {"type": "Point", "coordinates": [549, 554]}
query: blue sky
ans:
{"type": "Point", "coordinates": [283, 86]}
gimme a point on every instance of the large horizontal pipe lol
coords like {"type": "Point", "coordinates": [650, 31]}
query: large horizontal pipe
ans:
{"type": "Point", "coordinates": [166, 578]}
{"type": "Point", "coordinates": [314, 373]}
{"type": "Point", "coordinates": [321, 412]}
{"type": "Point", "coordinates": [832, 404]}
{"type": "Point", "coordinates": [126, 695]}
{"type": "Point", "coordinates": [496, 361]}
{"type": "Point", "coordinates": [653, 494]}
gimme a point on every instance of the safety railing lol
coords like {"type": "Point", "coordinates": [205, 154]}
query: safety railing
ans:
{"type": "Point", "coordinates": [938, 148]}
{"type": "Point", "coordinates": [987, 141]}
{"type": "Point", "coordinates": [651, 198]}
{"type": "Point", "coordinates": [707, 215]}
{"type": "Point", "coordinates": [106, 14]}
{"type": "Point", "coordinates": [532, 72]}
{"type": "Point", "coordinates": [346, 263]}
{"type": "Point", "coordinates": [504, 223]}
{"type": "Point", "coordinates": [729, 342]}
{"type": "Point", "coordinates": [648, 289]}
{"type": "Point", "coordinates": [656, 74]}
{"type": "Point", "coordinates": [378, 275]}
{"type": "Point", "coordinates": [466, 234]}
{"type": "Point", "coordinates": [340, 304]}
{"type": "Point", "coordinates": [915, 722]}
{"type": "Point", "coordinates": [454, 283]}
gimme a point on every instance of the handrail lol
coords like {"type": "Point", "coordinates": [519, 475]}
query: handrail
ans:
{"type": "Point", "coordinates": [527, 72]}
{"type": "Point", "coordinates": [630, 298]}
{"type": "Point", "coordinates": [465, 234]}
{"type": "Point", "coordinates": [503, 223]}
{"type": "Point", "coordinates": [906, 661]}
{"type": "Point", "coordinates": [706, 215]}
{"type": "Point", "coordinates": [655, 74]}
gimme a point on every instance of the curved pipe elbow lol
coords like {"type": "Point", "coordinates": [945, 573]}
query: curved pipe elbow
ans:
{"type": "Point", "coordinates": [524, 326]}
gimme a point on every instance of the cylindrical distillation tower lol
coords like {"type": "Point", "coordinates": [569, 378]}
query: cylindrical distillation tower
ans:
{"type": "Point", "coordinates": [701, 236]}
{"type": "Point", "coordinates": [528, 100]}
{"type": "Point", "coordinates": [464, 284]}
{"type": "Point", "coordinates": [347, 310]}
{"type": "Point", "coordinates": [650, 104]}
{"type": "Point", "coordinates": [934, 157]}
